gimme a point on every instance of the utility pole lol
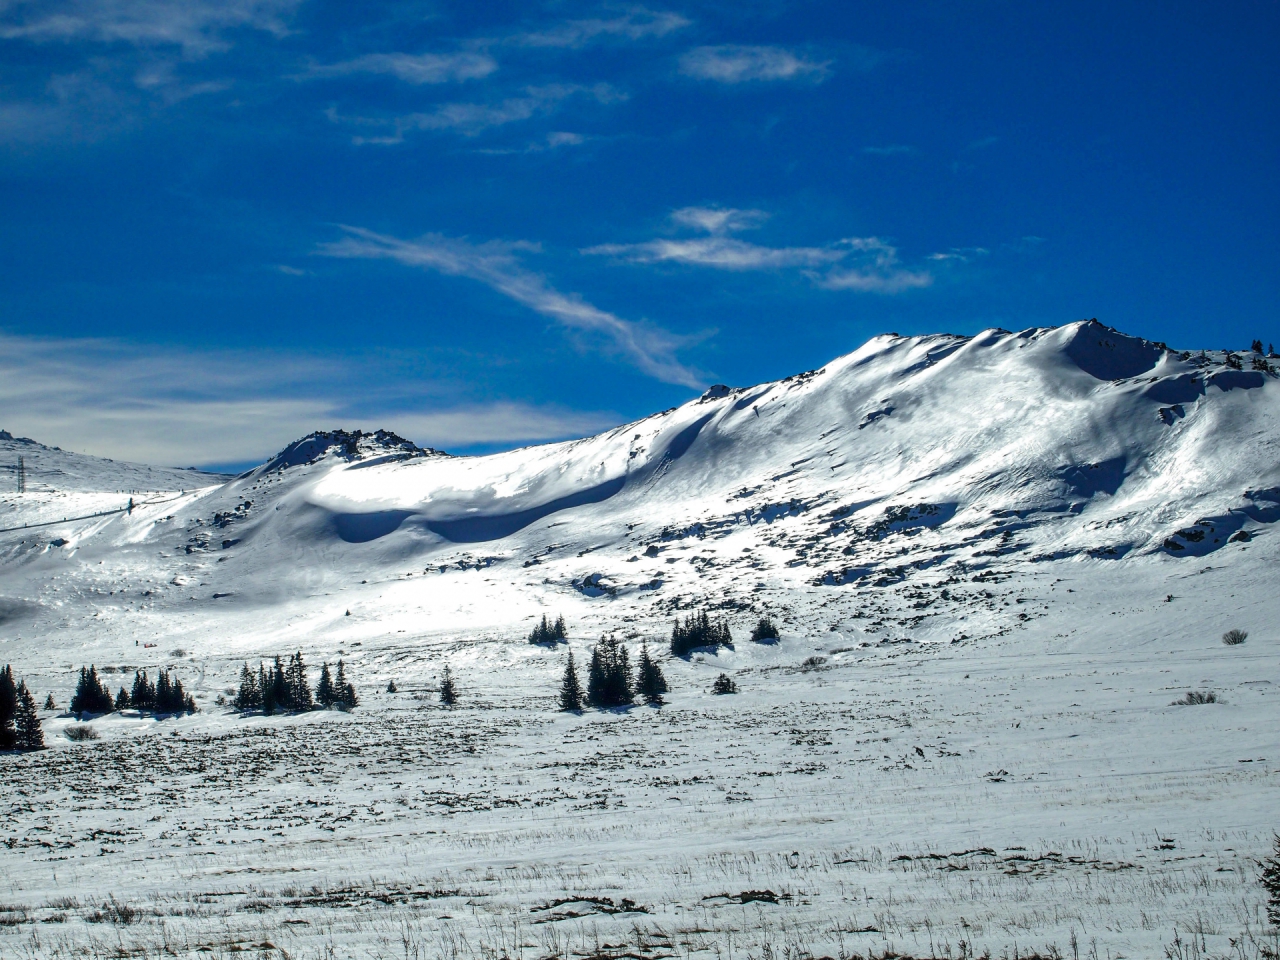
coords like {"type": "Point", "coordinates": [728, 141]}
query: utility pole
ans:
{"type": "Point", "coordinates": [22, 475]}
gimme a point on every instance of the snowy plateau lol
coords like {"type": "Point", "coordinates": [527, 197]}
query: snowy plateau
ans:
{"type": "Point", "coordinates": [995, 563]}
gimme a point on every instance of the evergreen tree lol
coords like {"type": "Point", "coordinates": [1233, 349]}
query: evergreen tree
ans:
{"type": "Point", "coordinates": [548, 633]}
{"type": "Point", "coordinates": [177, 697]}
{"type": "Point", "coordinates": [248, 697]}
{"type": "Point", "coordinates": [609, 678]}
{"type": "Point", "coordinates": [698, 630]}
{"type": "Point", "coordinates": [164, 693]}
{"type": "Point", "coordinates": [448, 692]}
{"type": "Point", "coordinates": [391, 686]}
{"type": "Point", "coordinates": [280, 687]}
{"type": "Point", "coordinates": [1271, 883]}
{"type": "Point", "coordinates": [570, 688]}
{"type": "Point", "coordinates": [27, 721]}
{"type": "Point", "coordinates": [652, 684]}
{"type": "Point", "coordinates": [49, 704]}
{"type": "Point", "coordinates": [122, 699]}
{"type": "Point", "coordinates": [90, 696]}
{"type": "Point", "coordinates": [324, 688]}
{"type": "Point", "coordinates": [765, 631]}
{"type": "Point", "coordinates": [299, 690]}
{"type": "Point", "coordinates": [8, 710]}
{"type": "Point", "coordinates": [267, 690]}
{"type": "Point", "coordinates": [143, 697]}
{"type": "Point", "coordinates": [724, 684]}
{"type": "Point", "coordinates": [344, 692]}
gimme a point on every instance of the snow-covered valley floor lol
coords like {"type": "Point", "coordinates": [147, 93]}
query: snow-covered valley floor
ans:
{"type": "Point", "coordinates": [924, 799]}
{"type": "Point", "coordinates": [964, 742]}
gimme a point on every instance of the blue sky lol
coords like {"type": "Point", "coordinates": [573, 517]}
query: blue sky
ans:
{"type": "Point", "coordinates": [226, 223]}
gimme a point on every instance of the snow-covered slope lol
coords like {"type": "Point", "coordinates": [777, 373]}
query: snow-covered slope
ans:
{"type": "Point", "coordinates": [1070, 515]}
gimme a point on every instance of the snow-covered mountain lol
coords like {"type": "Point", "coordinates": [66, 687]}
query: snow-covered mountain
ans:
{"type": "Point", "coordinates": [911, 453]}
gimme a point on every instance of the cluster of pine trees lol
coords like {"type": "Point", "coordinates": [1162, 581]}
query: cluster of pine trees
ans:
{"type": "Point", "coordinates": [547, 633]}
{"type": "Point", "coordinates": [284, 688]}
{"type": "Point", "coordinates": [699, 630]}
{"type": "Point", "coordinates": [19, 722]}
{"type": "Point", "coordinates": [164, 696]}
{"type": "Point", "coordinates": [610, 681]}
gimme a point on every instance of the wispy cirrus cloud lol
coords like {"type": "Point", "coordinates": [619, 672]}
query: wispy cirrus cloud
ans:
{"type": "Point", "coordinates": [130, 401]}
{"type": "Point", "coordinates": [651, 350]}
{"type": "Point", "coordinates": [890, 150]}
{"type": "Point", "coordinates": [737, 63]}
{"type": "Point", "coordinates": [636, 24]}
{"type": "Point", "coordinates": [470, 119]}
{"type": "Point", "coordinates": [198, 27]}
{"type": "Point", "coordinates": [420, 68]}
{"type": "Point", "coordinates": [867, 264]}
{"type": "Point", "coordinates": [873, 267]}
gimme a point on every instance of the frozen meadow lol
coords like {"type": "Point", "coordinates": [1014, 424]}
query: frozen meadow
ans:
{"type": "Point", "coordinates": [995, 563]}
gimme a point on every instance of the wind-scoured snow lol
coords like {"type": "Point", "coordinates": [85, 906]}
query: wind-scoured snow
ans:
{"type": "Point", "coordinates": [995, 561]}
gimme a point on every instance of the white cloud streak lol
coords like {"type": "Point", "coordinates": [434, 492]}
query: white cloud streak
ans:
{"type": "Point", "coordinates": [172, 407]}
{"type": "Point", "coordinates": [197, 26]}
{"type": "Point", "coordinates": [725, 253]}
{"type": "Point", "coordinates": [638, 24]}
{"type": "Point", "coordinates": [867, 264]}
{"type": "Point", "coordinates": [876, 270]}
{"type": "Point", "coordinates": [471, 119]}
{"type": "Point", "coordinates": [419, 68]}
{"type": "Point", "coordinates": [734, 63]}
{"type": "Point", "coordinates": [649, 349]}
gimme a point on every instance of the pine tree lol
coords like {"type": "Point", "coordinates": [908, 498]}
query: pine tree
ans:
{"type": "Point", "coordinates": [8, 709]}
{"type": "Point", "coordinates": [122, 699]}
{"type": "Point", "coordinates": [299, 690]}
{"type": "Point", "coordinates": [280, 687]}
{"type": "Point", "coordinates": [164, 693]}
{"type": "Point", "coordinates": [391, 686]}
{"type": "Point", "coordinates": [698, 630]}
{"type": "Point", "coordinates": [724, 684]}
{"type": "Point", "coordinates": [570, 688]}
{"type": "Point", "coordinates": [547, 633]}
{"type": "Point", "coordinates": [344, 692]}
{"type": "Point", "coordinates": [143, 697]}
{"type": "Point", "coordinates": [652, 684]}
{"type": "Point", "coordinates": [248, 697]}
{"type": "Point", "coordinates": [27, 721]}
{"type": "Point", "coordinates": [266, 690]}
{"type": "Point", "coordinates": [1271, 883]}
{"type": "Point", "coordinates": [448, 692]}
{"type": "Point", "coordinates": [765, 631]}
{"type": "Point", "coordinates": [597, 682]}
{"type": "Point", "coordinates": [324, 688]}
{"type": "Point", "coordinates": [49, 704]}
{"type": "Point", "coordinates": [90, 695]}
{"type": "Point", "coordinates": [177, 697]}
{"type": "Point", "coordinates": [609, 677]}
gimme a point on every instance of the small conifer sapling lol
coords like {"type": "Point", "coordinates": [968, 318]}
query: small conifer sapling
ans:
{"type": "Point", "coordinates": [448, 690]}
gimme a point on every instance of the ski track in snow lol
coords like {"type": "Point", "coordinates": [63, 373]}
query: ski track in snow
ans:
{"type": "Point", "coordinates": [995, 562]}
